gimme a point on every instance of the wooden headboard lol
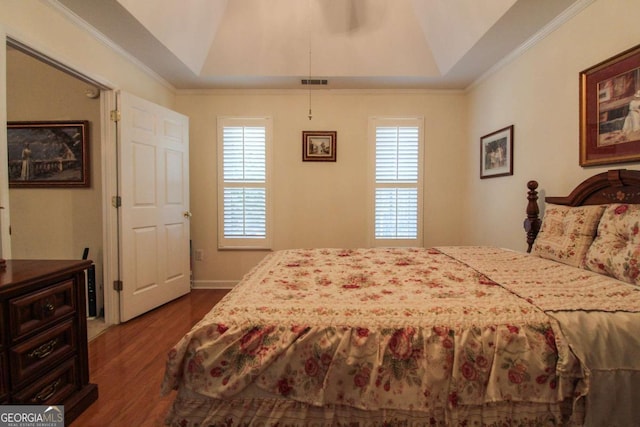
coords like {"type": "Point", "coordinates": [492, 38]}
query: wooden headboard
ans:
{"type": "Point", "coordinates": [613, 186]}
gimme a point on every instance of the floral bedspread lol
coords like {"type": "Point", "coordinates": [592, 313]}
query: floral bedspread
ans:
{"type": "Point", "coordinates": [376, 329]}
{"type": "Point", "coordinates": [551, 286]}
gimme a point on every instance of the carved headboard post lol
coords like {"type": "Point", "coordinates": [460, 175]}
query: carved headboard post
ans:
{"type": "Point", "coordinates": [532, 222]}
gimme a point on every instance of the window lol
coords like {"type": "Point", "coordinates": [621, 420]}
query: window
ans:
{"type": "Point", "coordinates": [397, 181]}
{"type": "Point", "coordinates": [243, 183]}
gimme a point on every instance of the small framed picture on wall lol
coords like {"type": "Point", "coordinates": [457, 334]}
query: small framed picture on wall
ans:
{"type": "Point", "coordinates": [319, 146]}
{"type": "Point", "coordinates": [496, 153]}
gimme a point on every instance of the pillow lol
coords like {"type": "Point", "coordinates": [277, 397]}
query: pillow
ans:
{"type": "Point", "coordinates": [616, 249]}
{"type": "Point", "coordinates": [567, 233]}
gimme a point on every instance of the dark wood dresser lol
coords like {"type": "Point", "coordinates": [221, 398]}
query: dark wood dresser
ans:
{"type": "Point", "coordinates": [43, 344]}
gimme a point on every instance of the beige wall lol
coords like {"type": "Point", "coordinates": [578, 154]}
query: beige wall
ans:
{"type": "Point", "coordinates": [538, 93]}
{"type": "Point", "coordinates": [322, 204]}
{"type": "Point", "coordinates": [55, 223]}
{"type": "Point", "coordinates": [325, 204]}
{"type": "Point", "coordinates": [45, 29]}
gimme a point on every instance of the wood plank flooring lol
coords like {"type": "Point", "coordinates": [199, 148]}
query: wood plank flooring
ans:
{"type": "Point", "coordinates": [127, 362]}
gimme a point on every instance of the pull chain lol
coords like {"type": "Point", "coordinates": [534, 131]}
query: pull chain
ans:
{"type": "Point", "coordinates": [309, 40]}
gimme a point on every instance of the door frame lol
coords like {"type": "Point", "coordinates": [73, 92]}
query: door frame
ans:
{"type": "Point", "coordinates": [110, 219]}
{"type": "Point", "coordinates": [109, 178]}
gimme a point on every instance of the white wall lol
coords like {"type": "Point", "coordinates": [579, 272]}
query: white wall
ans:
{"type": "Point", "coordinates": [538, 93]}
{"type": "Point", "coordinates": [322, 204]}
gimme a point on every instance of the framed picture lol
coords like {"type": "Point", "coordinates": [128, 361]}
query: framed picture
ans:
{"type": "Point", "coordinates": [319, 146]}
{"type": "Point", "coordinates": [610, 110]}
{"type": "Point", "coordinates": [48, 154]}
{"type": "Point", "coordinates": [496, 153]}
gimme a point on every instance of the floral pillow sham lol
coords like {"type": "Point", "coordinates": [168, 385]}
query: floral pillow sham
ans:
{"type": "Point", "coordinates": [616, 249]}
{"type": "Point", "coordinates": [567, 233]}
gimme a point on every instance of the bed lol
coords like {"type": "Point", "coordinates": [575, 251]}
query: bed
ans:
{"type": "Point", "coordinates": [466, 335]}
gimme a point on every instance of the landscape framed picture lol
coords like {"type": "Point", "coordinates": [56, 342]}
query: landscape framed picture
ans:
{"type": "Point", "coordinates": [610, 110]}
{"type": "Point", "coordinates": [319, 146]}
{"type": "Point", "coordinates": [496, 153]}
{"type": "Point", "coordinates": [48, 154]}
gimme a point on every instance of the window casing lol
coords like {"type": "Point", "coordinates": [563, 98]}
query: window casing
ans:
{"type": "Point", "coordinates": [244, 194]}
{"type": "Point", "coordinates": [397, 165]}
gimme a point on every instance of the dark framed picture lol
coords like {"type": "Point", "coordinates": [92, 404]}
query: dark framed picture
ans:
{"type": "Point", "coordinates": [48, 154]}
{"type": "Point", "coordinates": [610, 110]}
{"type": "Point", "coordinates": [496, 153]}
{"type": "Point", "coordinates": [319, 146]}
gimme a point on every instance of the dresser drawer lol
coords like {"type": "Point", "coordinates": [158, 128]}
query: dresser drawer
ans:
{"type": "Point", "coordinates": [41, 308]}
{"type": "Point", "coordinates": [42, 351]}
{"type": "Point", "coordinates": [52, 388]}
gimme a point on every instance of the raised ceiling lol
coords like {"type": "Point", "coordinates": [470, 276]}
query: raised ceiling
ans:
{"type": "Point", "coordinates": [439, 44]}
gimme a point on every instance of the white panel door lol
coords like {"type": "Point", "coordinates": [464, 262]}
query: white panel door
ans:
{"type": "Point", "coordinates": [153, 159]}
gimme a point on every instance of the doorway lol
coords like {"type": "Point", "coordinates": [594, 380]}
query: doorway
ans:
{"type": "Point", "coordinates": [94, 214]}
{"type": "Point", "coordinates": [58, 222]}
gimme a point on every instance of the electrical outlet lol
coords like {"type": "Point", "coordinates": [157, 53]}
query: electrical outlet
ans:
{"type": "Point", "coordinates": [199, 254]}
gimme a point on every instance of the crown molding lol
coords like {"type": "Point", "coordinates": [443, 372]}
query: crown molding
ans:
{"type": "Point", "coordinates": [100, 37]}
{"type": "Point", "coordinates": [553, 25]}
{"type": "Point", "coordinates": [305, 92]}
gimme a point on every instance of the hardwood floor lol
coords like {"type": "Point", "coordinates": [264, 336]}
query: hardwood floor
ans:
{"type": "Point", "coordinates": [127, 362]}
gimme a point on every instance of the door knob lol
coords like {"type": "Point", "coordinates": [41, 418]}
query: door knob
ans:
{"type": "Point", "coordinates": [187, 214]}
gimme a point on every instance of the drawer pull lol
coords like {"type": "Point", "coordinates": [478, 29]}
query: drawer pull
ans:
{"type": "Point", "coordinates": [44, 350]}
{"type": "Point", "coordinates": [47, 392]}
{"type": "Point", "coordinates": [50, 307]}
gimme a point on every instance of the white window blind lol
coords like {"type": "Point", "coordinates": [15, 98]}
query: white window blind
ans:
{"type": "Point", "coordinates": [243, 184]}
{"type": "Point", "coordinates": [397, 182]}
{"type": "Point", "coordinates": [396, 213]}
